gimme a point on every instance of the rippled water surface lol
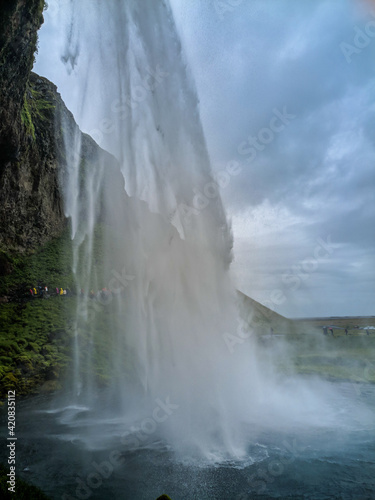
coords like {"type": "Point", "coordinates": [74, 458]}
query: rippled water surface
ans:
{"type": "Point", "coordinates": [65, 451]}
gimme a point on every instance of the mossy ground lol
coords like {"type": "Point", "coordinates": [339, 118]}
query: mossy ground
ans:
{"type": "Point", "coordinates": [35, 339]}
{"type": "Point", "coordinates": [49, 265]}
{"type": "Point", "coordinates": [339, 358]}
{"type": "Point", "coordinates": [307, 351]}
{"type": "Point", "coordinates": [37, 334]}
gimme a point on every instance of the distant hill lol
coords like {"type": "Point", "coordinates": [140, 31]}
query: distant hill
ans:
{"type": "Point", "coordinates": [261, 318]}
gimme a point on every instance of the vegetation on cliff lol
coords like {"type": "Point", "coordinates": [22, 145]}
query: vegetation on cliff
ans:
{"type": "Point", "coordinates": [35, 333]}
{"type": "Point", "coordinates": [37, 106]}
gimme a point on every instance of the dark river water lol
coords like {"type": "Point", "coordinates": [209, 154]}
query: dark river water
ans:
{"type": "Point", "coordinates": [327, 462]}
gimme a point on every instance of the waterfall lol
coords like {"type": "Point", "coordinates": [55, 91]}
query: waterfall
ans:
{"type": "Point", "coordinates": [152, 246]}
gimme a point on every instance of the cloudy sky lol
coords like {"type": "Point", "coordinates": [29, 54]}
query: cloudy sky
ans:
{"type": "Point", "coordinates": [286, 89]}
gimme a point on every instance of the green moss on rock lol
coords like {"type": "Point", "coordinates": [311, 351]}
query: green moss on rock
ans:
{"type": "Point", "coordinates": [26, 118]}
{"type": "Point", "coordinates": [30, 353]}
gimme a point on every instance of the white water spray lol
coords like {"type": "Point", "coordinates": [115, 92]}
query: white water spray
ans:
{"type": "Point", "coordinates": [159, 250]}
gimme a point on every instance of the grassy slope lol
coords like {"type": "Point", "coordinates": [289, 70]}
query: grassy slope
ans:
{"type": "Point", "coordinates": [35, 333]}
{"type": "Point", "coordinates": [50, 264]}
{"type": "Point", "coordinates": [341, 357]}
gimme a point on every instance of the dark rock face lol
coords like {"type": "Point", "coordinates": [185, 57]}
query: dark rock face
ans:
{"type": "Point", "coordinates": [19, 23]}
{"type": "Point", "coordinates": [30, 204]}
{"type": "Point", "coordinates": [32, 151]}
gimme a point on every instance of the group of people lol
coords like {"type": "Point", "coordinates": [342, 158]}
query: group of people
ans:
{"type": "Point", "coordinates": [42, 291]}
{"type": "Point", "coordinates": [330, 329]}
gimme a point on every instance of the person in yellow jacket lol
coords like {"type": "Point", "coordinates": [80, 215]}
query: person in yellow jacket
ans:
{"type": "Point", "coordinates": [61, 291]}
{"type": "Point", "coordinates": [35, 292]}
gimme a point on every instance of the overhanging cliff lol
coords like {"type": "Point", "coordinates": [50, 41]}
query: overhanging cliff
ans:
{"type": "Point", "coordinates": [32, 149]}
{"type": "Point", "coordinates": [35, 246]}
